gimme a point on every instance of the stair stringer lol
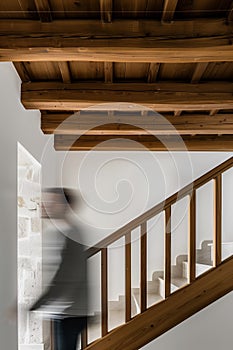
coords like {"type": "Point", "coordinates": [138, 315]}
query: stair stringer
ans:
{"type": "Point", "coordinates": [168, 313]}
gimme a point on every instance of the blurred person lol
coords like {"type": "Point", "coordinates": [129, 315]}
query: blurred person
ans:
{"type": "Point", "coordinates": [65, 300]}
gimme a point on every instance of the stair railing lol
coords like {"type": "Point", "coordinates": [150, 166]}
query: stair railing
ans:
{"type": "Point", "coordinates": [141, 221]}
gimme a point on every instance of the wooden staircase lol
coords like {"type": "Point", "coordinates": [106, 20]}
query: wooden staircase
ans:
{"type": "Point", "coordinates": [203, 283]}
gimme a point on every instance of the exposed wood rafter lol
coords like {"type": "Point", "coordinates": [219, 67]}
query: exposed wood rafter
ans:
{"type": "Point", "coordinates": [132, 125]}
{"type": "Point", "coordinates": [168, 10]}
{"type": "Point", "coordinates": [43, 10]}
{"type": "Point", "coordinates": [122, 41]}
{"type": "Point", "coordinates": [65, 71]}
{"type": "Point", "coordinates": [106, 10]}
{"type": "Point", "coordinates": [139, 143]}
{"type": "Point", "coordinates": [199, 71]}
{"type": "Point", "coordinates": [161, 97]}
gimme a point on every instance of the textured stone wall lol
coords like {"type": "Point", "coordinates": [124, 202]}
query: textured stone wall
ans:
{"type": "Point", "coordinates": [30, 329]}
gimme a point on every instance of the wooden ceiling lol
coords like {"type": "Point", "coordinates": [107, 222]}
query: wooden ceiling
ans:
{"type": "Point", "coordinates": [173, 56]}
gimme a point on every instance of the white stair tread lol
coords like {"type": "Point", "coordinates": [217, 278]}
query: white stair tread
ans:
{"type": "Point", "coordinates": [200, 268]}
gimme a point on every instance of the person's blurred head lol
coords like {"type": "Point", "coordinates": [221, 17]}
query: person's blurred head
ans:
{"type": "Point", "coordinates": [57, 201]}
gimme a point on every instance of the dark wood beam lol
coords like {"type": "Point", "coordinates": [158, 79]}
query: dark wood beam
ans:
{"type": "Point", "coordinates": [122, 41]}
{"type": "Point", "coordinates": [68, 124]}
{"type": "Point", "coordinates": [161, 97]}
{"type": "Point", "coordinates": [169, 8]}
{"type": "Point", "coordinates": [65, 72]}
{"type": "Point", "coordinates": [139, 143]}
{"type": "Point", "coordinates": [106, 10]}
{"type": "Point", "coordinates": [43, 10]}
{"type": "Point", "coordinates": [199, 71]}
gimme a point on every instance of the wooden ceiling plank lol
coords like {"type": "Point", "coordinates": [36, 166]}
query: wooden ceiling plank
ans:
{"type": "Point", "coordinates": [199, 71]}
{"type": "Point", "coordinates": [108, 72]}
{"type": "Point", "coordinates": [22, 71]}
{"type": "Point", "coordinates": [153, 72]}
{"type": "Point", "coordinates": [167, 124]}
{"type": "Point", "coordinates": [169, 8]}
{"type": "Point", "coordinates": [139, 143]}
{"type": "Point", "coordinates": [106, 10]}
{"type": "Point", "coordinates": [43, 10]}
{"type": "Point", "coordinates": [159, 96]}
{"type": "Point", "coordinates": [65, 72]}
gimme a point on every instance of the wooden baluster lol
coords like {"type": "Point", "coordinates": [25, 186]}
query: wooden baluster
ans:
{"type": "Point", "coordinates": [167, 267]}
{"type": "Point", "coordinates": [104, 290]}
{"type": "Point", "coordinates": [217, 256]}
{"type": "Point", "coordinates": [84, 337]}
{"type": "Point", "coordinates": [143, 288]}
{"type": "Point", "coordinates": [192, 238]}
{"type": "Point", "coordinates": [127, 276]}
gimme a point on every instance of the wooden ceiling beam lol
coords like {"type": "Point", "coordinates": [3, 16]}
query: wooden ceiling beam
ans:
{"type": "Point", "coordinates": [123, 41]}
{"type": "Point", "coordinates": [169, 8]}
{"type": "Point", "coordinates": [43, 10]}
{"type": "Point", "coordinates": [106, 10]}
{"type": "Point", "coordinates": [161, 97]}
{"type": "Point", "coordinates": [202, 124]}
{"type": "Point", "coordinates": [139, 143]}
{"type": "Point", "coordinates": [199, 71]}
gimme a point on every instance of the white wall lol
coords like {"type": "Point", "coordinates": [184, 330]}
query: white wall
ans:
{"type": "Point", "coordinates": [210, 329]}
{"type": "Point", "coordinates": [17, 124]}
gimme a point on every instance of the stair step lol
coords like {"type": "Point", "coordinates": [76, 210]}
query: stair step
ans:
{"type": "Point", "coordinates": [200, 269]}
{"type": "Point", "coordinates": [176, 283]}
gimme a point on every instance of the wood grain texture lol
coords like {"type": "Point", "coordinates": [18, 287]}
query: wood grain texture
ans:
{"type": "Point", "coordinates": [104, 291]}
{"type": "Point", "coordinates": [199, 124]}
{"type": "Point", "coordinates": [143, 267]}
{"type": "Point", "coordinates": [199, 71]}
{"type": "Point", "coordinates": [153, 72]}
{"type": "Point", "coordinates": [65, 72]}
{"type": "Point", "coordinates": [217, 239]}
{"type": "Point", "coordinates": [127, 276]}
{"type": "Point", "coordinates": [161, 97]}
{"type": "Point", "coordinates": [192, 238]}
{"type": "Point", "coordinates": [167, 253]}
{"type": "Point", "coordinates": [124, 41]}
{"type": "Point", "coordinates": [165, 315]}
{"type": "Point", "coordinates": [185, 191]}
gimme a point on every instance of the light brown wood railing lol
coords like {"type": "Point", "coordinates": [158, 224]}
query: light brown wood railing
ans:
{"type": "Point", "coordinates": [141, 221]}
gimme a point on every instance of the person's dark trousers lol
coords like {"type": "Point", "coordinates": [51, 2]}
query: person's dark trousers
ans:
{"type": "Point", "coordinates": [67, 331]}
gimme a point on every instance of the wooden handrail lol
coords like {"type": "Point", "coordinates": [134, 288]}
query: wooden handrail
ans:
{"type": "Point", "coordinates": [187, 190]}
